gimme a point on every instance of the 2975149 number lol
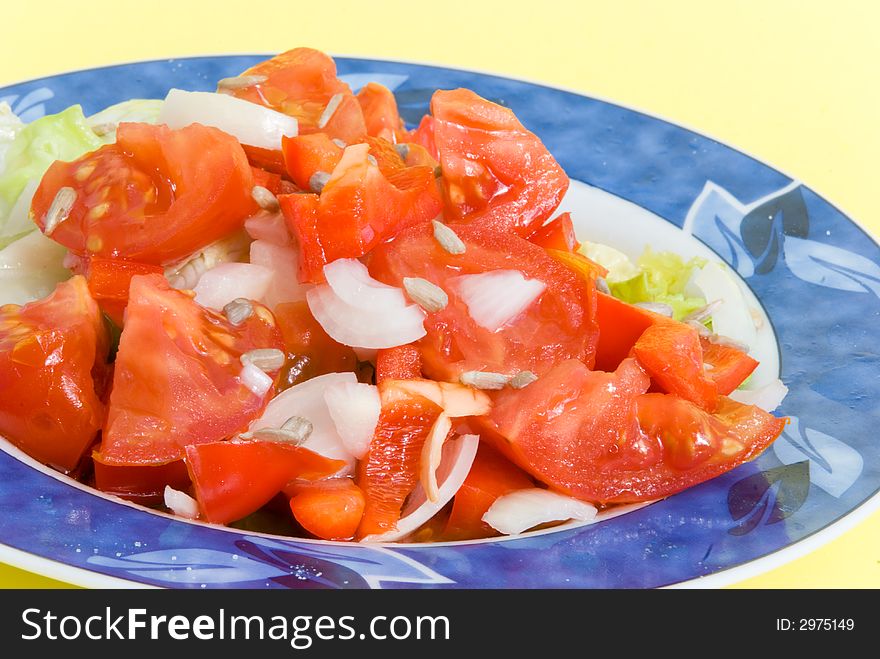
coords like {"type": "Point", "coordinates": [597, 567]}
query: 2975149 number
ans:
{"type": "Point", "coordinates": [815, 624]}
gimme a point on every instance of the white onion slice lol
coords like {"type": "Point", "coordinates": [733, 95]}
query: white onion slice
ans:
{"type": "Point", "coordinates": [30, 268]}
{"type": "Point", "coordinates": [457, 400]}
{"type": "Point", "coordinates": [458, 456]}
{"type": "Point", "coordinates": [255, 380]}
{"type": "Point", "coordinates": [269, 227]}
{"type": "Point", "coordinates": [248, 122]}
{"type": "Point", "coordinates": [352, 283]}
{"type": "Point", "coordinates": [307, 400]}
{"type": "Point", "coordinates": [524, 509]}
{"type": "Point", "coordinates": [495, 298]}
{"type": "Point", "coordinates": [221, 285]}
{"type": "Point", "coordinates": [355, 409]}
{"type": "Point", "coordinates": [283, 263]}
{"type": "Point", "coordinates": [732, 317]}
{"type": "Point", "coordinates": [380, 327]}
{"type": "Point", "coordinates": [768, 397]}
{"type": "Point", "coordinates": [180, 503]}
{"type": "Point", "coordinates": [432, 455]}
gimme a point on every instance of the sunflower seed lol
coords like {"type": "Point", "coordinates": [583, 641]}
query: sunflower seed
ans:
{"type": "Point", "coordinates": [339, 143]}
{"type": "Point", "coordinates": [298, 426]}
{"type": "Point", "coordinates": [656, 307]}
{"type": "Point", "coordinates": [428, 296]}
{"type": "Point", "coordinates": [326, 115]}
{"type": "Point", "coordinates": [522, 379]}
{"type": "Point", "coordinates": [265, 359]}
{"type": "Point", "coordinates": [402, 150]}
{"type": "Point", "coordinates": [317, 181]}
{"type": "Point", "coordinates": [447, 238]}
{"type": "Point", "coordinates": [484, 379]}
{"type": "Point", "coordinates": [721, 340]}
{"type": "Point", "coordinates": [707, 366]}
{"type": "Point", "coordinates": [264, 198]}
{"type": "Point", "coordinates": [602, 286]}
{"type": "Point", "coordinates": [60, 209]}
{"type": "Point", "coordinates": [240, 82]}
{"type": "Point", "coordinates": [238, 311]}
{"type": "Point", "coordinates": [438, 171]}
{"type": "Point", "coordinates": [372, 159]}
{"type": "Point", "coordinates": [103, 129]}
{"type": "Point", "coordinates": [703, 313]}
{"type": "Point", "coordinates": [702, 330]}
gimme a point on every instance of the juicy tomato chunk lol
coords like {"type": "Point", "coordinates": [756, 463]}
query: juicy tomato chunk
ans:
{"type": "Point", "coordinates": [400, 363]}
{"type": "Point", "coordinates": [558, 234]}
{"type": "Point", "coordinates": [109, 281]}
{"type": "Point", "coordinates": [235, 478]}
{"type": "Point", "coordinates": [491, 476]}
{"type": "Point", "coordinates": [330, 509]}
{"type": "Point", "coordinates": [558, 325]}
{"type": "Point", "coordinates": [729, 366]}
{"type": "Point", "coordinates": [671, 354]}
{"type": "Point", "coordinates": [310, 350]}
{"type": "Point", "coordinates": [177, 377]}
{"type": "Point", "coordinates": [620, 326]}
{"type": "Point", "coordinates": [380, 112]}
{"type": "Point", "coordinates": [52, 351]}
{"type": "Point", "coordinates": [142, 484]}
{"type": "Point", "coordinates": [357, 209]}
{"type": "Point", "coordinates": [495, 172]}
{"type": "Point", "coordinates": [304, 155]}
{"type": "Point", "coordinates": [155, 196]}
{"type": "Point", "coordinates": [267, 161]}
{"type": "Point", "coordinates": [268, 179]}
{"type": "Point", "coordinates": [301, 83]}
{"type": "Point", "coordinates": [574, 429]}
{"type": "Point", "coordinates": [390, 470]}
{"type": "Point", "coordinates": [424, 136]}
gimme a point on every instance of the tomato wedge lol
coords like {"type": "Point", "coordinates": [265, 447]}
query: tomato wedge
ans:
{"type": "Point", "coordinates": [143, 484]}
{"type": "Point", "coordinates": [330, 509]}
{"type": "Point", "coordinates": [109, 281]}
{"type": "Point", "coordinates": [155, 196]}
{"type": "Point", "coordinates": [491, 476]}
{"type": "Point", "coordinates": [52, 352]}
{"type": "Point", "coordinates": [176, 380]}
{"type": "Point", "coordinates": [304, 155]}
{"type": "Point", "coordinates": [495, 172]}
{"type": "Point", "coordinates": [390, 470]}
{"type": "Point", "coordinates": [233, 479]}
{"type": "Point", "coordinates": [620, 326]}
{"type": "Point", "coordinates": [558, 325]}
{"type": "Point", "coordinates": [558, 234]}
{"type": "Point", "coordinates": [301, 83]}
{"type": "Point", "coordinates": [380, 112]}
{"type": "Point", "coordinates": [728, 366]}
{"type": "Point", "coordinates": [400, 363]}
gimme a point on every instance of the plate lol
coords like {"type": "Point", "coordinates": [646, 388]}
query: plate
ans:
{"type": "Point", "coordinates": [636, 180]}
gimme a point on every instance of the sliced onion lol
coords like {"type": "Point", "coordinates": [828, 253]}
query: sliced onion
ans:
{"type": "Point", "coordinates": [221, 285]}
{"type": "Point", "coordinates": [457, 400]}
{"type": "Point", "coordinates": [248, 122]}
{"type": "Point", "coordinates": [495, 298]}
{"type": "Point", "coordinates": [307, 400]}
{"type": "Point", "coordinates": [352, 283]}
{"type": "Point", "coordinates": [269, 227]}
{"type": "Point", "coordinates": [524, 509]}
{"type": "Point", "coordinates": [432, 455]}
{"type": "Point", "coordinates": [283, 262]}
{"type": "Point", "coordinates": [355, 409]}
{"type": "Point", "coordinates": [256, 380]}
{"type": "Point", "coordinates": [180, 503]}
{"type": "Point", "coordinates": [732, 318]}
{"type": "Point", "coordinates": [768, 397]}
{"type": "Point", "coordinates": [380, 327]}
{"type": "Point", "coordinates": [30, 268]}
{"type": "Point", "coordinates": [458, 456]}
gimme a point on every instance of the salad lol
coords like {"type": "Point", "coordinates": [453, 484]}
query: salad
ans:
{"type": "Point", "coordinates": [277, 307]}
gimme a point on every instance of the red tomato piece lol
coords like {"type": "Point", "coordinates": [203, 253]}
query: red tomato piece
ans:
{"type": "Point", "coordinates": [558, 234]}
{"type": "Point", "coordinates": [268, 161]}
{"type": "Point", "coordinates": [310, 350]}
{"type": "Point", "coordinates": [331, 509]}
{"type": "Point", "coordinates": [671, 354]}
{"type": "Point", "coordinates": [390, 470]}
{"type": "Point", "coordinates": [729, 366]}
{"type": "Point", "coordinates": [155, 196]}
{"type": "Point", "coordinates": [109, 281]}
{"type": "Point", "coordinates": [400, 363]}
{"type": "Point", "coordinates": [357, 209]}
{"type": "Point", "coordinates": [142, 484]}
{"type": "Point", "coordinates": [233, 479]}
{"type": "Point", "coordinates": [304, 155]}
{"type": "Point", "coordinates": [267, 179]}
{"type": "Point", "coordinates": [495, 172]}
{"type": "Point", "coordinates": [51, 352]}
{"type": "Point", "coordinates": [558, 325]}
{"type": "Point", "coordinates": [491, 476]}
{"type": "Point", "coordinates": [380, 112]}
{"type": "Point", "coordinates": [301, 83]}
{"type": "Point", "coordinates": [176, 380]}
{"type": "Point", "coordinates": [424, 136]}
{"type": "Point", "coordinates": [620, 326]}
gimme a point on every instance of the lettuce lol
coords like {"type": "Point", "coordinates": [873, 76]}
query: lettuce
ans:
{"type": "Point", "coordinates": [141, 110]}
{"type": "Point", "coordinates": [662, 277]}
{"type": "Point", "coordinates": [10, 126]}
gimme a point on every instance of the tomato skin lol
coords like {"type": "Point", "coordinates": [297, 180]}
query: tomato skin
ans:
{"type": "Point", "coordinates": [176, 380]}
{"type": "Point", "coordinates": [495, 172]}
{"type": "Point", "coordinates": [400, 363]}
{"type": "Point", "coordinates": [235, 478]}
{"type": "Point", "coordinates": [558, 234]}
{"type": "Point", "coordinates": [559, 325]}
{"type": "Point", "coordinates": [109, 281]}
{"type": "Point", "coordinates": [264, 162]}
{"type": "Point", "coordinates": [52, 351]}
{"type": "Point", "coordinates": [306, 154]}
{"type": "Point", "coordinates": [329, 510]}
{"type": "Point", "coordinates": [381, 117]}
{"type": "Point", "coordinates": [730, 367]}
{"type": "Point", "coordinates": [146, 198]}
{"type": "Point", "coordinates": [620, 326]}
{"type": "Point", "coordinates": [390, 470]}
{"type": "Point", "coordinates": [141, 484]}
{"type": "Point", "coordinates": [491, 476]}
{"type": "Point", "coordinates": [423, 135]}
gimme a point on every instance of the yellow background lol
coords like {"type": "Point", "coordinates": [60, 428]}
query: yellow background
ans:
{"type": "Point", "coordinates": [794, 83]}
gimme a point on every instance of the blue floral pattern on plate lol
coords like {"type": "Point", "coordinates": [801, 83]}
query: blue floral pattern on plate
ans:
{"type": "Point", "coordinates": [814, 270]}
